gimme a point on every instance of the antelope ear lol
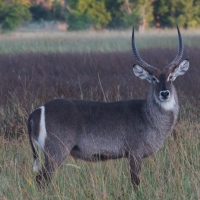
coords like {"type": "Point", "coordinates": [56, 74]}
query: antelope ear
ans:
{"type": "Point", "coordinates": [142, 73]}
{"type": "Point", "coordinates": [179, 70]}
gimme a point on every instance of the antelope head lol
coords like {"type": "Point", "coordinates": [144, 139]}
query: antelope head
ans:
{"type": "Point", "coordinates": [161, 80]}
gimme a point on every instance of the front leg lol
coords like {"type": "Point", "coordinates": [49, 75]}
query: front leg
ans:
{"type": "Point", "coordinates": [135, 170]}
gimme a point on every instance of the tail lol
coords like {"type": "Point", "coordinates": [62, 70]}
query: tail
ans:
{"type": "Point", "coordinates": [35, 154]}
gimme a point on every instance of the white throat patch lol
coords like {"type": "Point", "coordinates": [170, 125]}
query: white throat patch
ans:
{"type": "Point", "coordinates": [166, 105]}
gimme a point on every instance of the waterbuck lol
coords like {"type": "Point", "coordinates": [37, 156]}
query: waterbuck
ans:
{"type": "Point", "coordinates": [94, 131]}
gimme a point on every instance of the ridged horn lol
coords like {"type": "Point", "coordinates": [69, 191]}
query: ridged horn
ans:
{"type": "Point", "coordinates": [179, 55]}
{"type": "Point", "coordinates": [139, 60]}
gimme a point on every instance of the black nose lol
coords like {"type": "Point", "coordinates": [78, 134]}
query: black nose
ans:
{"type": "Point", "coordinates": [164, 94]}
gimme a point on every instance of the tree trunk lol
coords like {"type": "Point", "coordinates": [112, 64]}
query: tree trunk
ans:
{"type": "Point", "coordinates": [128, 8]}
{"type": "Point", "coordinates": [143, 20]}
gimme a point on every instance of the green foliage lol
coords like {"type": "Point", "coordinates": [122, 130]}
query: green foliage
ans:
{"type": "Point", "coordinates": [86, 14]}
{"type": "Point", "coordinates": [39, 12]}
{"type": "Point", "coordinates": [144, 8]}
{"type": "Point", "coordinates": [130, 13]}
{"type": "Point", "coordinates": [184, 12]}
{"type": "Point", "coordinates": [77, 21]}
{"type": "Point", "coordinates": [57, 12]}
{"type": "Point", "coordinates": [130, 20]}
{"type": "Point", "coordinates": [73, 4]}
{"type": "Point", "coordinates": [114, 7]}
{"type": "Point", "coordinates": [187, 13]}
{"type": "Point", "coordinates": [13, 14]}
{"type": "Point", "coordinates": [99, 14]}
{"type": "Point", "coordinates": [161, 13]}
{"type": "Point", "coordinates": [142, 13]}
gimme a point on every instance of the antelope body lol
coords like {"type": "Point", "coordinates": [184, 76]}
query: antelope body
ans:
{"type": "Point", "coordinates": [94, 131]}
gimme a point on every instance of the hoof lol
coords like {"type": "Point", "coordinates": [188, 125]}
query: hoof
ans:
{"type": "Point", "coordinates": [42, 179]}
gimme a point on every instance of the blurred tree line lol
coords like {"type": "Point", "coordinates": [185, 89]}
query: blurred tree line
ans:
{"type": "Point", "coordinates": [99, 14]}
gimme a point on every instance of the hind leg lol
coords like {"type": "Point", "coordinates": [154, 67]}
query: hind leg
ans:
{"type": "Point", "coordinates": [53, 159]}
{"type": "Point", "coordinates": [44, 175]}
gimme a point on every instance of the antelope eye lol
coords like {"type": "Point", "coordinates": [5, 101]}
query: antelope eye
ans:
{"type": "Point", "coordinates": [170, 78]}
{"type": "Point", "coordinates": [153, 79]}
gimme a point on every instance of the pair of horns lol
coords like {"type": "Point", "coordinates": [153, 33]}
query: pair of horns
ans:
{"type": "Point", "coordinates": [150, 68]}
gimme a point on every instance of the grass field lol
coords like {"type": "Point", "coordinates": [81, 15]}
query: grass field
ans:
{"type": "Point", "coordinates": [27, 80]}
{"type": "Point", "coordinates": [90, 41]}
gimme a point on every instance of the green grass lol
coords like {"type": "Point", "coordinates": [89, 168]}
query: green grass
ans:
{"type": "Point", "coordinates": [19, 42]}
